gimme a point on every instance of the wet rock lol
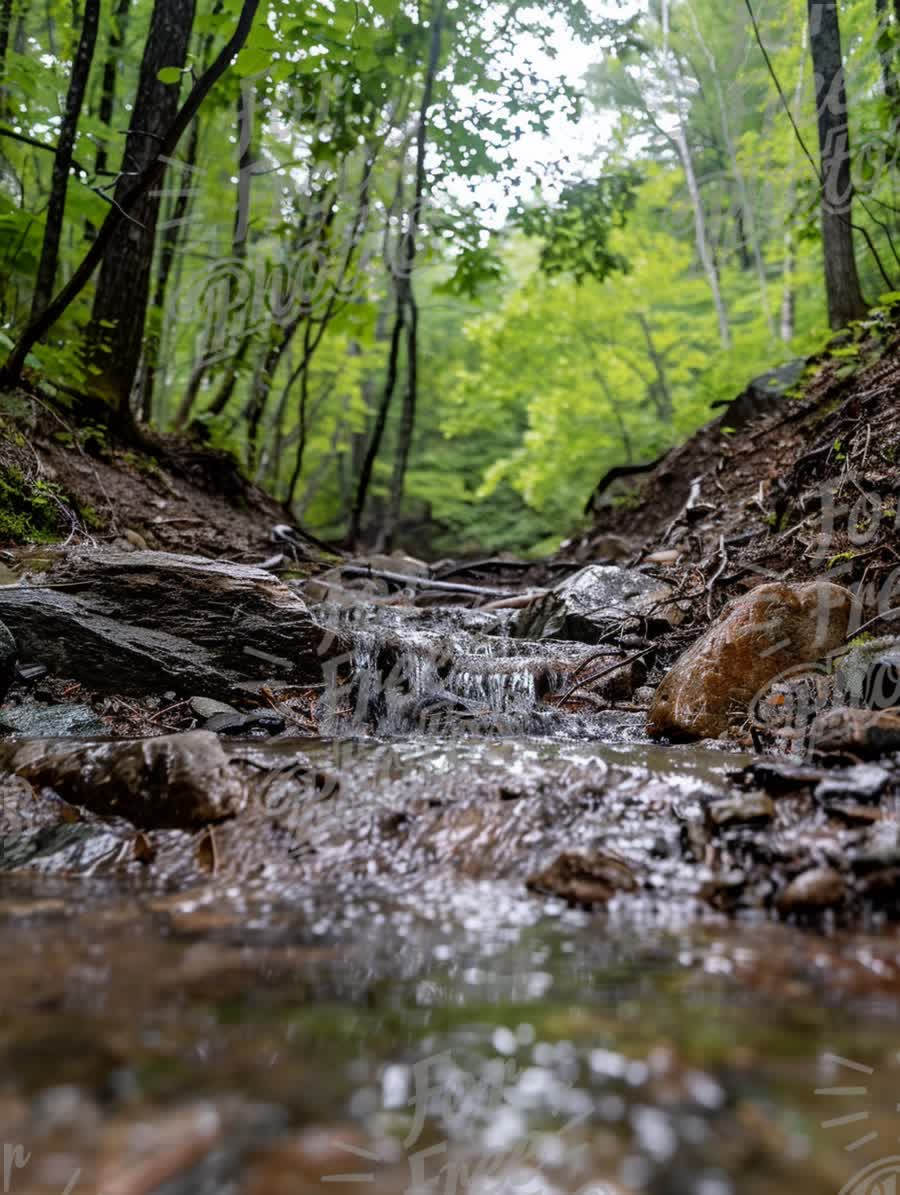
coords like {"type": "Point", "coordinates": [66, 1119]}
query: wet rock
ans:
{"type": "Point", "coordinates": [813, 891]}
{"type": "Point", "coordinates": [777, 777]}
{"type": "Point", "coordinates": [866, 733]}
{"type": "Point", "coordinates": [256, 724]}
{"type": "Point", "coordinates": [8, 655]}
{"type": "Point", "coordinates": [99, 621]}
{"type": "Point", "coordinates": [764, 394]}
{"type": "Point", "coordinates": [759, 636]}
{"type": "Point", "coordinates": [52, 722]}
{"type": "Point", "coordinates": [868, 675]}
{"type": "Point", "coordinates": [746, 809]}
{"type": "Point", "coordinates": [865, 782]}
{"type": "Point", "coordinates": [582, 607]}
{"type": "Point", "coordinates": [589, 878]}
{"type": "Point", "coordinates": [205, 707]}
{"type": "Point", "coordinates": [177, 781]}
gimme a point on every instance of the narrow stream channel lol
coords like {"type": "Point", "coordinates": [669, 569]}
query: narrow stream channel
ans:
{"type": "Point", "coordinates": [380, 1018]}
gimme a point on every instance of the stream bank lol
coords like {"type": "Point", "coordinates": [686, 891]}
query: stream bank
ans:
{"type": "Point", "coordinates": [315, 867]}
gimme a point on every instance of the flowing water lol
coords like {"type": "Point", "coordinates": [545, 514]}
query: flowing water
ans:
{"type": "Point", "coordinates": [394, 1010]}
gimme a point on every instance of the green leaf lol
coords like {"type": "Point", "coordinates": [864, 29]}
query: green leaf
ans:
{"type": "Point", "coordinates": [170, 74]}
{"type": "Point", "coordinates": [252, 60]}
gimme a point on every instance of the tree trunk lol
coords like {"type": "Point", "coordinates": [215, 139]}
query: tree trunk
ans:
{"type": "Point", "coordinates": [843, 292]}
{"type": "Point", "coordinates": [886, 49]}
{"type": "Point", "coordinates": [6, 18]}
{"type": "Point", "coordinates": [110, 73]}
{"type": "Point", "coordinates": [748, 231]}
{"type": "Point", "coordinates": [679, 137]}
{"type": "Point", "coordinates": [407, 318]}
{"type": "Point", "coordinates": [11, 371]}
{"type": "Point", "coordinates": [127, 264]}
{"type": "Point", "coordinates": [178, 219]}
{"type": "Point", "coordinates": [664, 404]}
{"type": "Point", "coordinates": [62, 162]}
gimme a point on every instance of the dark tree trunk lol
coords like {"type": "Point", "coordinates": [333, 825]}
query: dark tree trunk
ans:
{"type": "Point", "coordinates": [127, 264]}
{"type": "Point", "coordinates": [6, 18]}
{"type": "Point", "coordinates": [844, 295]}
{"type": "Point", "coordinates": [886, 48]}
{"type": "Point", "coordinates": [110, 74]}
{"type": "Point", "coordinates": [406, 317]}
{"type": "Point", "coordinates": [62, 162]}
{"type": "Point", "coordinates": [171, 235]}
{"type": "Point", "coordinates": [12, 368]}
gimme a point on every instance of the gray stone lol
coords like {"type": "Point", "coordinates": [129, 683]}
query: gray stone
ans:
{"type": "Point", "coordinates": [206, 707]}
{"type": "Point", "coordinates": [582, 607]}
{"type": "Point", "coordinates": [100, 616]}
{"type": "Point", "coordinates": [257, 724]}
{"type": "Point", "coordinates": [52, 722]}
{"type": "Point", "coordinates": [865, 782]}
{"type": "Point", "coordinates": [8, 654]}
{"type": "Point", "coordinates": [867, 675]}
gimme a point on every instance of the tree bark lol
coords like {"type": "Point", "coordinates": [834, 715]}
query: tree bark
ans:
{"type": "Point", "coordinates": [886, 49]}
{"type": "Point", "coordinates": [12, 367]}
{"type": "Point", "coordinates": [62, 162]}
{"type": "Point", "coordinates": [843, 291]}
{"type": "Point", "coordinates": [406, 319]}
{"type": "Point", "coordinates": [127, 264]}
{"type": "Point", "coordinates": [171, 234]}
{"type": "Point", "coordinates": [110, 74]}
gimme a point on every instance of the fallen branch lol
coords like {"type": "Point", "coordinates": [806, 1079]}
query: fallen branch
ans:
{"type": "Point", "coordinates": [353, 570]}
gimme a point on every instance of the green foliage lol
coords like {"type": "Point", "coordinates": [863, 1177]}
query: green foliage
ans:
{"type": "Point", "coordinates": [565, 316]}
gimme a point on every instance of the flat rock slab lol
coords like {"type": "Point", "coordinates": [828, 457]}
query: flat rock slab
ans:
{"type": "Point", "coordinates": [142, 622]}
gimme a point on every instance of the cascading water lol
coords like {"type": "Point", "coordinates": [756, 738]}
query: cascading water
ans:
{"type": "Point", "coordinates": [449, 672]}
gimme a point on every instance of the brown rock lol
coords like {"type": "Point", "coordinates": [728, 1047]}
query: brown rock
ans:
{"type": "Point", "coordinates": [175, 781]}
{"type": "Point", "coordinates": [760, 635]}
{"type": "Point", "coordinates": [867, 733]}
{"type": "Point", "coordinates": [588, 878]}
{"type": "Point", "coordinates": [812, 892]}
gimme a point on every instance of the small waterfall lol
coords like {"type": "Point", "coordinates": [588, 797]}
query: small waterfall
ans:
{"type": "Point", "coordinates": [438, 671]}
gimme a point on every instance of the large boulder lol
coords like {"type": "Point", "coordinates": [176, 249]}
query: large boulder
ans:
{"type": "Point", "coordinates": [758, 637]}
{"type": "Point", "coordinates": [583, 607]}
{"type": "Point", "coordinates": [139, 622]}
{"type": "Point", "coordinates": [176, 781]}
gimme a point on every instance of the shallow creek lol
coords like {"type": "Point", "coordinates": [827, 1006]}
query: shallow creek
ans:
{"type": "Point", "coordinates": [382, 1002]}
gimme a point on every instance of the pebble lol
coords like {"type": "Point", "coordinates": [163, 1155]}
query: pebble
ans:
{"type": "Point", "coordinates": [813, 891]}
{"type": "Point", "coordinates": [865, 782]}
{"type": "Point", "coordinates": [750, 809]}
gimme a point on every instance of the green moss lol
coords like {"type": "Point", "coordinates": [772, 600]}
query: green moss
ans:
{"type": "Point", "coordinates": [28, 510]}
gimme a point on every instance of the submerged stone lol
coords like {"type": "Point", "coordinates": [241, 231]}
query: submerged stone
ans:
{"type": "Point", "coordinates": [813, 891]}
{"type": "Point", "coordinates": [584, 878]}
{"type": "Point", "coordinates": [759, 636]}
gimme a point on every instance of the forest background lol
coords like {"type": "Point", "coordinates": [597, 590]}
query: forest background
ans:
{"type": "Point", "coordinates": [370, 271]}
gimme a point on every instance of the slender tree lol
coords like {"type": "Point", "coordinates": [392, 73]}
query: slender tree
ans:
{"type": "Point", "coordinates": [118, 328]}
{"type": "Point", "coordinates": [62, 162]}
{"type": "Point", "coordinates": [843, 291]}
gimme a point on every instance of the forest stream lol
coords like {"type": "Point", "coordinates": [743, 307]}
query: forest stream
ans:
{"type": "Point", "coordinates": [352, 983]}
